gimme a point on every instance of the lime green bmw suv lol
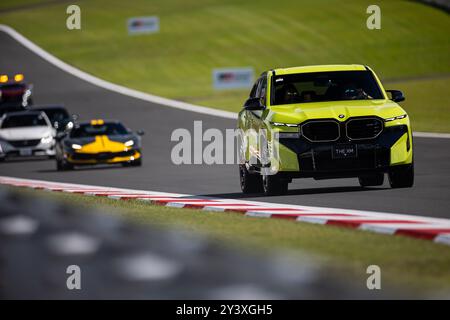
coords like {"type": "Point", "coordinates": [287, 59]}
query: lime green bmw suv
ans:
{"type": "Point", "coordinates": [323, 122]}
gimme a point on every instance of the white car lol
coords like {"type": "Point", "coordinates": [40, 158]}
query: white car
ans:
{"type": "Point", "coordinates": [25, 134]}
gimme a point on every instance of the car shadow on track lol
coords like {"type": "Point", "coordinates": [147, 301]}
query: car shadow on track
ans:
{"type": "Point", "coordinates": [308, 191]}
{"type": "Point", "coordinates": [15, 160]}
{"type": "Point", "coordinates": [109, 167]}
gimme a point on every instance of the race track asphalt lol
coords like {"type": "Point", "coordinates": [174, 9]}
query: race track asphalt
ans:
{"type": "Point", "coordinates": [429, 197]}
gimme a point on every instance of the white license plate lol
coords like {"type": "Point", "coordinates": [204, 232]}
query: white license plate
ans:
{"type": "Point", "coordinates": [344, 151]}
{"type": "Point", "coordinates": [26, 152]}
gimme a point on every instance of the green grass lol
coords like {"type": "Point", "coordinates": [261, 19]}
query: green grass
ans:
{"type": "Point", "coordinates": [12, 4]}
{"type": "Point", "coordinates": [409, 262]}
{"type": "Point", "coordinates": [197, 36]}
{"type": "Point", "coordinates": [428, 100]}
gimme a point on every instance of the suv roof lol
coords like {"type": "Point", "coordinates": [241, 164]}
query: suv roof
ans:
{"type": "Point", "coordinates": [320, 68]}
{"type": "Point", "coordinates": [49, 107]}
{"type": "Point", "coordinates": [22, 113]}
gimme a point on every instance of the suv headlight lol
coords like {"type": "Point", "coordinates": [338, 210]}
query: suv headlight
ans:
{"type": "Point", "coordinates": [403, 116]}
{"type": "Point", "coordinates": [290, 133]}
{"type": "Point", "coordinates": [281, 124]}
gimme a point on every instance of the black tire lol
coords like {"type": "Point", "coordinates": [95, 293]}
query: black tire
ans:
{"type": "Point", "coordinates": [136, 163]}
{"type": "Point", "coordinates": [274, 185]}
{"type": "Point", "coordinates": [62, 165]}
{"type": "Point", "coordinates": [402, 176]}
{"type": "Point", "coordinates": [250, 183]}
{"type": "Point", "coordinates": [375, 179]}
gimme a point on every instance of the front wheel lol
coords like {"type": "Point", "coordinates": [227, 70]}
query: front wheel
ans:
{"type": "Point", "coordinates": [133, 163]}
{"type": "Point", "coordinates": [402, 176]}
{"type": "Point", "coordinates": [136, 163]}
{"type": "Point", "coordinates": [274, 185]}
{"type": "Point", "coordinates": [375, 179]}
{"type": "Point", "coordinates": [63, 165]}
{"type": "Point", "coordinates": [250, 183]}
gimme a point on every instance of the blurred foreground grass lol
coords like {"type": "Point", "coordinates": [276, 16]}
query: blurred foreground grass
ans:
{"type": "Point", "coordinates": [404, 261]}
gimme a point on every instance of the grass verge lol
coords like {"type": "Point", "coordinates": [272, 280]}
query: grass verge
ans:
{"type": "Point", "coordinates": [198, 36]}
{"type": "Point", "coordinates": [419, 264]}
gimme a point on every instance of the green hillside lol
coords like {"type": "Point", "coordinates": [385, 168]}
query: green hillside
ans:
{"type": "Point", "coordinates": [197, 36]}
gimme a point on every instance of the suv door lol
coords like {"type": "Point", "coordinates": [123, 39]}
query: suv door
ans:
{"type": "Point", "coordinates": [255, 119]}
{"type": "Point", "coordinates": [245, 123]}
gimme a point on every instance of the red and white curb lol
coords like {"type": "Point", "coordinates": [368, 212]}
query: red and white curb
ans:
{"type": "Point", "coordinates": [435, 229]}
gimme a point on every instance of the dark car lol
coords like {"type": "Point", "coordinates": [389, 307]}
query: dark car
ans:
{"type": "Point", "coordinates": [58, 116]}
{"type": "Point", "coordinates": [15, 95]}
{"type": "Point", "coordinates": [98, 142]}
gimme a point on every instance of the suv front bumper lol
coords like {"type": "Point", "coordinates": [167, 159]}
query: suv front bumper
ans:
{"type": "Point", "coordinates": [302, 158]}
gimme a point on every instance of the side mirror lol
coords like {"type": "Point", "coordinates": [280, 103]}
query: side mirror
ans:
{"type": "Point", "coordinates": [396, 95]}
{"type": "Point", "coordinates": [56, 125]}
{"type": "Point", "coordinates": [253, 104]}
{"type": "Point", "coordinates": [140, 132]}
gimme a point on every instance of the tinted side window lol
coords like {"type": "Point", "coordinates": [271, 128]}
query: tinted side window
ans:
{"type": "Point", "coordinates": [254, 89]}
{"type": "Point", "coordinates": [263, 90]}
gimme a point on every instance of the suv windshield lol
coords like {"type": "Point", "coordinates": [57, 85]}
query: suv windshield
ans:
{"type": "Point", "coordinates": [108, 129]}
{"type": "Point", "coordinates": [56, 114]}
{"type": "Point", "coordinates": [325, 86]}
{"type": "Point", "coordinates": [24, 120]}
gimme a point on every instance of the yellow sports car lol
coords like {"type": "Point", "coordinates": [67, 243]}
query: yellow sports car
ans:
{"type": "Point", "coordinates": [328, 121]}
{"type": "Point", "coordinates": [98, 142]}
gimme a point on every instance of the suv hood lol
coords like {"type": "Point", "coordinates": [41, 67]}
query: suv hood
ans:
{"type": "Point", "coordinates": [298, 113]}
{"type": "Point", "coordinates": [26, 133]}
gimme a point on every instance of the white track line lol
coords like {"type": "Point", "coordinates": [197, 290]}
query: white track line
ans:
{"type": "Point", "coordinates": [435, 229]}
{"type": "Point", "coordinates": [111, 86]}
{"type": "Point", "coordinates": [139, 94]}
{"type": "Point", "coordinates": [431, 135]}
